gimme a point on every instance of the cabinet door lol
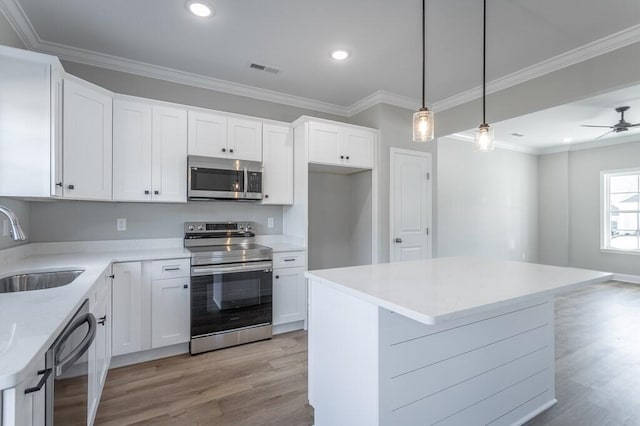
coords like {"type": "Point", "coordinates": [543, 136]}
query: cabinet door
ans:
{"type": "Point", "coordinates": [56, 133]}
{"type": "Point", "coordinates": [324, 143]}
{"type": "Point", "coordinates": [357, 148]}
{"type": "Point", "coordinates": [277, 153]}
{"type": "Point", "coordinates": [87, 141]}
{"type": "Point", "coordinates": [169, 312]}
{"type": "Point", "coordinates": [169, 176]}
{"type": "Point", "coordinates": [100, 351]}
{"type": "Point", "coordinates": [131, 151]}
{"type": "Point", "coordinates": [126, 308]}
{"type": "Point", "coordinates": [245, 139]}
{"type": "Point", "coordinates": [207, 134]}
{"type": "Point", "coordinates": [289, 295]}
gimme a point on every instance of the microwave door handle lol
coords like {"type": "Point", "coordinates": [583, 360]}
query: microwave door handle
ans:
{"type": "Point", "coordinates": [79, 350]}
{"type": "Point", "coordinates": [246, 181]}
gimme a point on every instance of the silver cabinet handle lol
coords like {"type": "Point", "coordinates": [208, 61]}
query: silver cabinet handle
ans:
{"type": "Point", "coordinates": [171, 268]}
{"type": "Point", "coordinates": [289, 260]}
{"type": "Point", "coordinates": [398, 240]}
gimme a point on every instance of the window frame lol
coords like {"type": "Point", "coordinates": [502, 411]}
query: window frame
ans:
{"type": "Point", "coordinates": [605, 213]}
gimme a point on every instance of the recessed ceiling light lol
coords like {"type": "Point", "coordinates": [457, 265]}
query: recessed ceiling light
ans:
{"type": "Point", "coordinates": [199, 8]}
{"type": "Point", "coordinates": [567, 140]}
{"type": "Point", "coordinates": [340, 54]}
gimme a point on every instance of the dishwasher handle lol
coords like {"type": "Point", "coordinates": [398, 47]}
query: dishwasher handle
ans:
{"type": "Point", "coordinates": [79, 350]}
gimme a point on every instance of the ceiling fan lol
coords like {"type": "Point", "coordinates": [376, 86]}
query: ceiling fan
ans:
{"type": "Point", "coordinates": [620, 126]}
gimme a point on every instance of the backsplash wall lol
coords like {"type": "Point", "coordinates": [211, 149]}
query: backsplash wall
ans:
{"type": "Point", "coordinates": [56, 221]}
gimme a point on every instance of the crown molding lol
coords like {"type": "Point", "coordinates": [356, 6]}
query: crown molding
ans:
{"type": "Point", "coordinates": [169, 74]}
{"type": "Point", "coordinates": [600, 143]}
{"type": "Point", "coordinates": [18, 20]}
{"type": "Point", "coordinates": [599, 47]}
{"type": "Point", "coordinates": [379, 97]}
{"type": "Point", "coordinates": [465, 137]}
{"type": "Point", "coordinates": [22, 26]}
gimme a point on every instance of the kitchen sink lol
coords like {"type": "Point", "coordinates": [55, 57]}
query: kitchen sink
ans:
{"type": "Point", "coordinates": [37, 280]}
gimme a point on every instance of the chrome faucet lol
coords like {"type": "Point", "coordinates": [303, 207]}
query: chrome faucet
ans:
{"type": "Point", "coordinates": [16, 230]}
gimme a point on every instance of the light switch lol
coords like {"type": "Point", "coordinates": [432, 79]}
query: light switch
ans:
{"type": "Point", "coordinates": [121, 224]}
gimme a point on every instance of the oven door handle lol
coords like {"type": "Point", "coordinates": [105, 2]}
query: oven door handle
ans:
{"type": "Point", "coordinates": [246, 182]}
{"type": "Point", "coordinates": [245, 267]}
{"type": "Point", "coordinates": [83, 346]}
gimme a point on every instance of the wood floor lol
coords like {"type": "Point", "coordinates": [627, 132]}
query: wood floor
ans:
{"type": "Point", "coordinates": [262, 383]}
{"type": "Point", "coordinates": [265, 383]}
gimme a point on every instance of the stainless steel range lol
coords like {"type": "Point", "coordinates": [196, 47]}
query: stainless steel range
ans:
{"type": "Point", "coordinates": [231, 285]}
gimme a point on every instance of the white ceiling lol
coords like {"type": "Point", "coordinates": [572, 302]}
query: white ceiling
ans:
{"type": "Point", "coordinates": [545, 130]}
{"type": "Point", "coordinates": [296, 36]}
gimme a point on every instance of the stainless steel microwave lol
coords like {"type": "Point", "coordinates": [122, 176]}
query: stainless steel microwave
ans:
{"type": "Point", "coordinates": [220, 179]}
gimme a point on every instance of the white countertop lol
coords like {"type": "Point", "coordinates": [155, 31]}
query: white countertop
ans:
{"type": "Point", "coordinates": [31, 320]}
{"type": "Point", "coordinates": [437, 290]}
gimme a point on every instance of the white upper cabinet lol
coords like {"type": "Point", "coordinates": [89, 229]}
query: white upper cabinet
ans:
{"type": "Point", "coordinates": [341, 145]}
{"type": "Point", "coordinates": [357, 148]}
{"type": "Point", "coordinates": [324, 143]}
{"type": "Point", "coordinates": [169, 153]}
{"type": "Point", "coordinates": [131, 151]}
{"type": "Point", "coordinates": [149, 152]}
{"type": "Point", "coordinates": [30, 124]}
{"type": "Point", "coordinates": [207, 134]}
{"type": "Point", "coordinates": [244, 139]}
{"type": "Point", "coordinates": [217, 135]}
{"type": "Point", "coordinates": [277, 159]}
{"type": "Point", "coordinates": [87, 141]}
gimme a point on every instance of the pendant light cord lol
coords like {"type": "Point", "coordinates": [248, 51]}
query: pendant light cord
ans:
{"type": "Point", "coordinates": [484, 62]}
{"type": "Point", "coordinates": [424, 50]}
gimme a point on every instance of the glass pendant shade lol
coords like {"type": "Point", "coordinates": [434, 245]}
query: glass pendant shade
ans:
{"type": "Point", "coordinates": [423, 125]}
{"type": "Point", "coordinates": [483, 138]}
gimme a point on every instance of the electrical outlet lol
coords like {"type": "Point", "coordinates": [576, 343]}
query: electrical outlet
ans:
{"type": "Point", "coordinates": [269, 222]}
{"type": "Point", "coordinates": [5, 228]}
{"type": "Point", "coordinates": [121, 224]}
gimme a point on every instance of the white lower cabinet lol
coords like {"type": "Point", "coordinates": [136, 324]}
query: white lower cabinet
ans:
{"type": "Point", "coordinates": [289, 291]}
{"type": "Point", "coordinates": [100, 351]}
{"type": "Point", "coordinates": [127, 308]}
{"type": "Point", "coordinates": [289, 296]}
{"type": "Point", "coordinates": [150, 305]}
{"type": "Point", "coordinates": [169, 312]}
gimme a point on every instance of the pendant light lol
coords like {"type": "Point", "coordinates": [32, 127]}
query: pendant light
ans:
{"type": "Point", "coordinates": [483, 138]}
{"type": "Point", "coordinates": [423, 118]}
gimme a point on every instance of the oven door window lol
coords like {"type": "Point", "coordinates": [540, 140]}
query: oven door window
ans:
{"type": "Point", "coordinates": [228, 301]}
{"type": "Point", "coordinates": [218, 180]}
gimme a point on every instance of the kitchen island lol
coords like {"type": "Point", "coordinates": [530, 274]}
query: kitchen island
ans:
{"type": "Point", "coordinates": [448, 341]}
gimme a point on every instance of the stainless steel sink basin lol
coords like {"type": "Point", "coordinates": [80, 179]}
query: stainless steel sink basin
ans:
{"type": "Point", "coordinates": [37, 281]}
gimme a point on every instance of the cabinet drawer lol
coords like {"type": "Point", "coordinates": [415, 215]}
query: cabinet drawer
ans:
{"type": "Point", "coordinates": [171, 268]}
{"type": "Point", "coordinates": [290, 259]}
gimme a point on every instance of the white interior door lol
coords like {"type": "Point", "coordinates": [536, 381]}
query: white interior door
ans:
{"type": "Point", "coordinates": [411, 205]}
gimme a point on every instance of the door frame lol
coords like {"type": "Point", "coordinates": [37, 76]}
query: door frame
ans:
{"type": "Point", "coordinates": [428, 155]}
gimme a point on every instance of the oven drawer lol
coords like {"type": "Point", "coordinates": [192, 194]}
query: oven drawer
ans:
{"type": "Point", "coordinates": [289, 259]}
{"type": "Point", "coordinates": [170, 268]}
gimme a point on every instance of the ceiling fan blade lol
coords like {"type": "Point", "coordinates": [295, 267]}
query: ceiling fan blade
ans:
{"type": "Point", "coordinates": [589, 125]}
{"type": "Point", "coordinates": [604, 134]}
{"type": "Point", "coordinates": [635, 125]}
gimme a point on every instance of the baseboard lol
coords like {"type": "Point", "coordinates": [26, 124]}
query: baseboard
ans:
{"type": "Point", "coordinates": [149, 355]}
{"type": "Point", "coordinates": [535, 412]}
{"type": "Point", "coordinates": [285, 328]}
{"type": "Point", "coordinates": [633, 279]}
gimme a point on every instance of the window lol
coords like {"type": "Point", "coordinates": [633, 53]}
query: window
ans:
{"type": "Point", "coordinates": [621, 210]}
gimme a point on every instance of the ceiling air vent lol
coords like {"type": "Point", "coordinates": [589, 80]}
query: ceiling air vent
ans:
{"type": "Point", "coordinates": [517, 135]}
{"type": "Point", "coordinates": [264, 68]}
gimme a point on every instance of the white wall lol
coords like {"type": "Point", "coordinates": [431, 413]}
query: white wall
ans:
{"type": "Point", "coordinates": [580, 233]}
{"type": "Point", "coordinates": [8, 37]}
{"type": "Point", "coordinates": [84, 220]}
{"type": "Point", "coordinates": [340, 220]}
{"type": "Point", "coordinates": [553, 209]}
{"type": "Point", "coordinates": [487, 202]}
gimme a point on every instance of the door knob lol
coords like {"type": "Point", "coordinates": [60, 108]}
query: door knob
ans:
{"type": "Point", "coordinates": [398, 240]}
